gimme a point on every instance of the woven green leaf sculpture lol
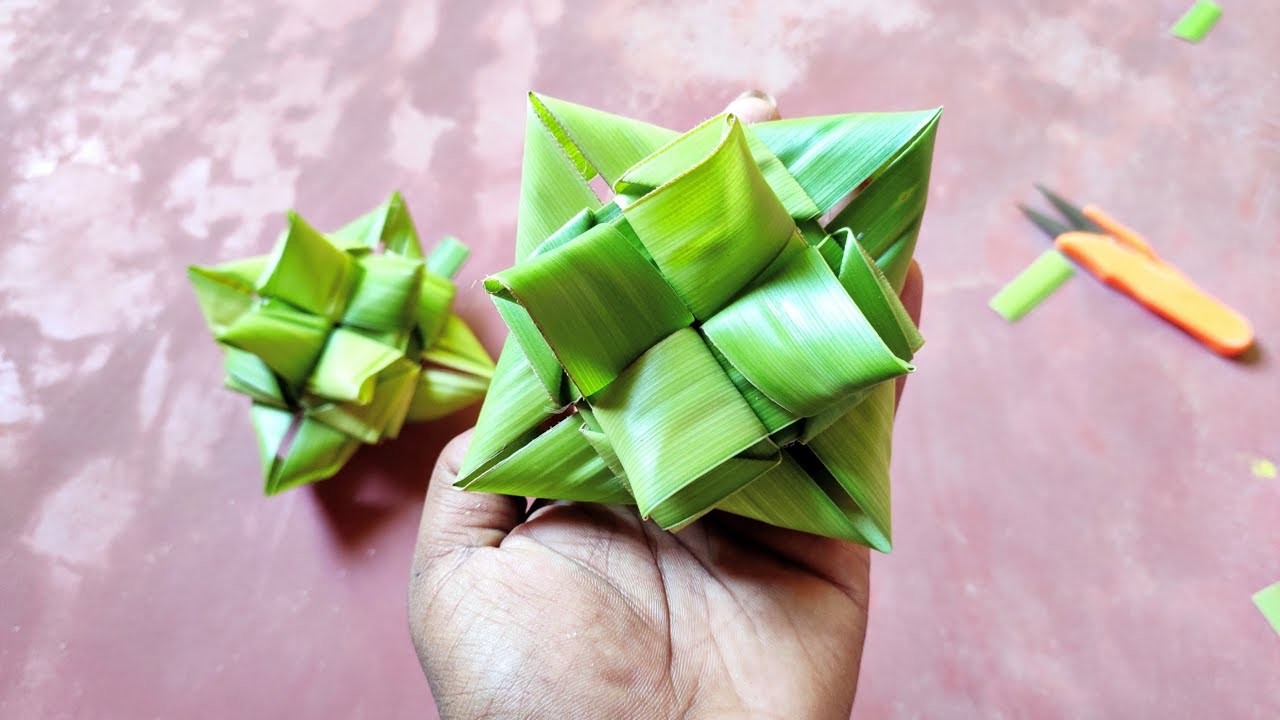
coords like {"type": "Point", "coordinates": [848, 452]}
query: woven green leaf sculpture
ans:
{"type": "Point", "coordinates": [720, 334]}
{"type": "Point", "coordinates": [341, 338]}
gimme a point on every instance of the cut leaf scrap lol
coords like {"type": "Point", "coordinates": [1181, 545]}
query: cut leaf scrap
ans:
{"type": "Point", "coordinates": [341, 338]}
{"type": "Point", "coordinates": [1032, 286]}
{"type": "Point", "coordinates": [1196, 23]}
{"type": "Point", "coordinates": [1268, 601]}
{"type": "Point", "coordinates": [702, 341]}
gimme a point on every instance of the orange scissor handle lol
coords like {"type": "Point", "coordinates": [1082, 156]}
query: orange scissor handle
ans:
{"type": "Point", "coordinates": [1161, 288]}
{"type": "Point", "coordinates": [1123, 234]}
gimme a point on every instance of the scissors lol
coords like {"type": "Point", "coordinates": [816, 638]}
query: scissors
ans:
{"type": "Point", "coordinates": [1122, 258]}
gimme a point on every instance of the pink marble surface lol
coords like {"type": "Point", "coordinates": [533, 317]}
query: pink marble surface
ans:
{"type": "Point", "coordinates": [1078, 531]}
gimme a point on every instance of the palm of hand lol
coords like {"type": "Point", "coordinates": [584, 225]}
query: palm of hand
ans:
{"type": "Point", "coordinates": [653, 624]}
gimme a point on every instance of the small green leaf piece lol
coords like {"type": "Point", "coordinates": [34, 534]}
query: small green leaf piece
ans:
{"type": "Point", "coordinates": [1030, 288]}
{"type": "Point", "coordinates": [1268, 601]}
{"type": "Point", "coordinates": [1197, 21]}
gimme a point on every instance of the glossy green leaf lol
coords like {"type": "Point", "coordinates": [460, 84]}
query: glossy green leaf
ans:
{"type": "Point", "coordinates": [702, 341]}
{"type": "Point", "coordinates": [713, 227]}
{"type": "Point", "coordinates": [805, 318]}
{"type": "Point", "coordinates": [308, 271]}
{"type": "Point", "coordinates": [855, 450]}
{"type": "Point", "coordinates": [339, 339]}
{"type": "Point", "coordinates": [559, 464]}
{"type": "Point", "coordinates": [386, 295]}
{"type": "Point", "coordinates": [788, 495]}
{"type": "Point", "coordinates": [287, 340]}
{"type": "Point", "coordinates": [621, 304]}
{"type": "Point", "coordinates": [458, 348]}
{"type": "Point", "coordinates": [442, 392]}
{"type": "Point", "coordinates": [515, 408]}
{"type": "Point", "coordinates": [675, 416]}
{"type": "Point", "coordinates": [596, 141]}
{"type": "Point", "coordinates": [884, 216]}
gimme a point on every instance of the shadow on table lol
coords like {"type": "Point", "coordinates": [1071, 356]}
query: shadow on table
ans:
{"type": "Point", "coordinates": [1255, 357]}
{"type": "Point", "coordinates": [383, 481]}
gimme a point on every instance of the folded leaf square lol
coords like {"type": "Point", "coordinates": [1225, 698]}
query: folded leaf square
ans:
{"type": "Point", "coordinates": [714, 226]}
{"type": "Point", "coordinates": [620, 304]}
{"type": "Point", "coordinates": [824, 348]}
{"type": "Point", "coordinates": [341, 338]}
{"type": "Point", "coordinates": [674, 419]}
{"type": "Point", "coordinates": [722, 332]}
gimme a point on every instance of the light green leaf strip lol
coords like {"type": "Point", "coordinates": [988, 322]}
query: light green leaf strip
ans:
{"type": "Point", "coordinates": [458, 348]}
{"type": "Point", "coordinates": [773, 416]}
{"type": "Point", "coordinates": [329, 335]}
{"type": "Point", "coordinates": [248, 374]}
{"type": "Point", "coordinates": [1268, 601]}
{"type": "Point", "coordinates": [553, 189]}
{"type": "Point", "coordinates": [729, 352]}
{"type": "Point", "coordinates": [383, 415]}
{"type": "Point", "coordinates": [443, 392]}
{"type": "Point", "coordinates": [517, 404]}
{"type": "Point", "coordinates": [598, 141]}
{"type": "Point", "coordinates": [620, 304]}
{"type": "Point", "coordinates": [435, 299]}
{"type": "Point", "coordinates": [799, 205]}
{"type": "Point", "coordinates": [538, 354]}
{"type": "Point", "coordinates": [877, 300]}
{"type": "Point", "coordinates": [821, 346]}
{"type": "Point", "coordinates": [447, 257]}
{"type": "Point", "coordinates": [224, 293]}
{"type": "Point", "coordinates": [1033, 285]}
{"type": "Point", "coordinates": [888, 210]}
{"type": "Point", "coordinates": [832, 156]}
{"type": "Point", "coordinates": [673, 416]}
{"type": "Point", "coordinates": [600, 443]}
{"type": "Point", "coordinates": [296, 450]}
{"type": "Point", "coordinates": [287, 340]}
{"type": "Point", "coordinates": [564, 466]}
{"type": "Point", "coordinates": [789, 497]}
{"type": "Point", "coordinates": [856, 451]}
{"type": "Point", "coordinates": [720, 208]}
{"type": "Point", "coordinates": [1196, 23]}
{"type": "Point", "coordinates": [349, 366]}
{"type": "Point", "coordinates": [895, 261]}
{"type": "Point", "coordinates": [308, 271]}
{"type": "Point", "coordinates": [317, 452]}
{"type": "Point", "coordinates": [386, 295]}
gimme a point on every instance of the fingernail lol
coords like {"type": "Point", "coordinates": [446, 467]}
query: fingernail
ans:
{"type": "Point", "coordinates": [754, 106]}
{"type": "Point", "coordinates": [759, 95]}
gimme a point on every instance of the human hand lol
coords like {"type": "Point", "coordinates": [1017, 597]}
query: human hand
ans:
{"type": "Point", "coordinates": [585, 611]}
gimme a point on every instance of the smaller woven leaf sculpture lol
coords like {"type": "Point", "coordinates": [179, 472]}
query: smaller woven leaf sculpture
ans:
{"type": "Point", "coordinates": [341, 338]}
{"type": "Point", "coordinates": [723, 332]}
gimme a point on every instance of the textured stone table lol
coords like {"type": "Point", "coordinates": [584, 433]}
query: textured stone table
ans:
{"type": "Point", "coordinates": [1078, 530]}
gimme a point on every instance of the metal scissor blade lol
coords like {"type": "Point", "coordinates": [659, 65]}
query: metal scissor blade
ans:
{"type": "Point", "coordinates": [1073, 214]}
{"type": "Point", "coordinates": [1051, 227]}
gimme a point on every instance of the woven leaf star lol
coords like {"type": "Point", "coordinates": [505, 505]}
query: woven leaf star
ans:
{"type": "Point", "coordinates": [722, 333]}
{"type": "Point", "coordinates": [341, 338]}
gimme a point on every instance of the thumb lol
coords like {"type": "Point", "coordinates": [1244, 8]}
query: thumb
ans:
{"type": "Point", "coordinates": [453, 519]}
{"type": "Point", "coordinates": [754, 106]}
{"type": "Point", "coordinates": [912, 299]}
